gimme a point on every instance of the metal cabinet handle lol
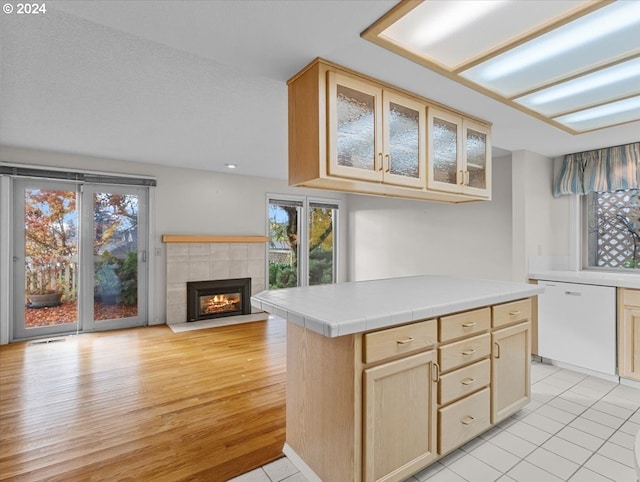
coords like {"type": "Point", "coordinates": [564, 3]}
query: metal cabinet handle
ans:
{"type": "Point", "coordinates": [388, 159]}
{"type": "Point", "coordinates": [470, 351]}
{"type": "Point", "coordinates": [467, 420]}
{"type": "Point", "coordinates": [466, 178]}
{"type": "Point", "coordinates": [436, 372]}
{"type": "Point", "coordinates": [461, 181]}
{"type": "Point", "coordinates": [498, 348]}
{"type": "Point", "coordinates": [514, 313]}
{"type": "Point", "coordinates": [469, 325]}
{"type": "Point", "coordinates": [573, 293]}
{"type": "Point", "coordinates": [468, 381]}
{"type": "Point", "coordinates": [380, 166]}
{"type": "Point", "coordinates": [404, 341]}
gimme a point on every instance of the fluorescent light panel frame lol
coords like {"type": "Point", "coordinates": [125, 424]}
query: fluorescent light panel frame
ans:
{"type": "Point", "coordinates": [551, 59]}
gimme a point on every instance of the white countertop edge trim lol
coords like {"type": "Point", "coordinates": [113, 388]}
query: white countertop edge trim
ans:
{"type": "Point", "coordinates": [595, 277]}
{"type": "Point", "coordinates": [332, 329]}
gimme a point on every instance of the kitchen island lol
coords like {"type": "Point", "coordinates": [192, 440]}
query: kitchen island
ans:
{"type": "Point", "coordinates": [385, 377]}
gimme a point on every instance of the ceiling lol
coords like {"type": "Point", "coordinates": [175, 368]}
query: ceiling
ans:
{"type": "Point", "coordinates": [202, 83]}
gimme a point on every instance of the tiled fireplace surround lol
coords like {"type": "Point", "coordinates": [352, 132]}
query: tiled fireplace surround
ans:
{"type": "Point", "coordinates": [210, 260]}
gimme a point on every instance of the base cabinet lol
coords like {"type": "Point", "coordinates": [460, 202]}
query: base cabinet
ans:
{"type": "Point", "coordinates": [629, 333]}
{"type": "Point", "coordinates": [385, 404]}
{"type": "Point", "coordinates": [399, 417]}
{"type": "Point", "coordinates": [510, 384]}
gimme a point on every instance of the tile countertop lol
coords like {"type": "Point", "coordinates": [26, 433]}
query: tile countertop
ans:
{"type": "Point", "coordinates": [600, 278]}
{"type": "Point", "coordinates": [347, 308]}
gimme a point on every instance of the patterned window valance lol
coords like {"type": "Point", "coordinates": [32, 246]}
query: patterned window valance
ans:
{"type": "Point", "coordinates": [603, 170]}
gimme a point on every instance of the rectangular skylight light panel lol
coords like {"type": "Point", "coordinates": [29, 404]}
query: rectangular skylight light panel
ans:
{"type": "Point", "coordinates": [619, 112]}
{"type": "Point", "coordinates": [616, 82]}
{"type": "Point", "coordinates": [440, 30]}
{"type": "Point", "coordinates": [592, 40]}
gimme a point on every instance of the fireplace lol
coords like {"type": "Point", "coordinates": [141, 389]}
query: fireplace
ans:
{"type": "Point", "coordinates": [218, 298]}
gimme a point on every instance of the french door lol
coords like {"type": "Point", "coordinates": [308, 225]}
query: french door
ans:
{"type": "Point", "coordinates": [79, 257]}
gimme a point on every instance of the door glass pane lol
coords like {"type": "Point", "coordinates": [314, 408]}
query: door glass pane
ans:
{"type": "Point", "coordinates": [284, 229]}
{"type": "Point", "coordinates": [404, 129]}
{"type": "Point", "coordinates": [115, 252]}
{"type": "Point", "coordinates": [356, 128]}
{"type": "Point", "coordinates": [50, 254]}
{"type": "Point", "coordinates": [445, 151]}
{"type": "Point", "coordinates": [322, 219]}
{"type": "Point", "coordinates": [476, 158]}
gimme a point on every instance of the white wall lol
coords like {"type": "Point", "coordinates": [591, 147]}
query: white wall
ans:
{"type": "Point", "coordinates": [392, 237]}
{"type": "Point", "coordinates": [541, 223]}
{"type": "Point", "coordinates": [187, 202]}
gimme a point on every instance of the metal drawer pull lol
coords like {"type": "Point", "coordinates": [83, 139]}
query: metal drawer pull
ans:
{"type": "Point", "coordinates": [573, 293]}
{"type": "Point", "coordinates": [405, 341]}
{"type": "Point", "coordinates": [514, 313]}
{"type": "Point", "coordinates": [469, 325]}
{"type": "Point", "coordinates": [498, 350]}
{"type": "Point", "coordinates": [467, 420]}
{"type": "Point", "coordinates": [468, 381]}
{"type": "Point", "coordinates": [470, 351]}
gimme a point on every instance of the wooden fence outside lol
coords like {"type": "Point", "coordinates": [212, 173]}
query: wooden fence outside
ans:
{"type": "Point", "coordinates": [60, 276]}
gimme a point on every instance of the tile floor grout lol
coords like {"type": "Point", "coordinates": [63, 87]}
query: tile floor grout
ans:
{"type": "Point", "coordinates": [582, 452]}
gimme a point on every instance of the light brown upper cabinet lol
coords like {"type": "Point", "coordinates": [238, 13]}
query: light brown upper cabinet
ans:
{"type": "Point", "coordinates": [349, 132]}
{"type": "Point", "coordinates": [459, 159]}
{"type": "Point", "coordinates": [374, 134]}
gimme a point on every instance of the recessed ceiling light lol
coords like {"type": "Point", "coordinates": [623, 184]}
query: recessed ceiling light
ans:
{"type": "Point", "coordinates": [551, 59]}
{"type": "Point", "coordinates": [230, 165]}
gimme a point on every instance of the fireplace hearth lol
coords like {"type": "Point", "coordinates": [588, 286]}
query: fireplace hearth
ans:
{"type": "Point", "coordinates": [218, 298]}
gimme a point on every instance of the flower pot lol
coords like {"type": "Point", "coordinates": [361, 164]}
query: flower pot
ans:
{"type": "Point", "coordinates": [44, 300]}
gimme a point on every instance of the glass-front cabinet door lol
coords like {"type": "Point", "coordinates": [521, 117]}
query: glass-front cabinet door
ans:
{"type": "Point", "coordinates": [404, 155]}
{"type": "Point", "coordinates": [355, 128]}
{"type": "Point", "coordinates": [459, 157]}
{"type": "Point", "coordinates": [477, 159]}
{"type": "Point", "coordinates": [445, 151]}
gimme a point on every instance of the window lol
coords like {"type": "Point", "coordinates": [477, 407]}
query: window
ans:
{"type": "Point", "coordinates": [612, 229]}
{"type": "Point", "coordinates": [303, 238]}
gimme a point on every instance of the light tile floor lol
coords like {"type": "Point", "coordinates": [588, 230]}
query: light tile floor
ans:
{"type": "Point", "coordinates": [576, 428]}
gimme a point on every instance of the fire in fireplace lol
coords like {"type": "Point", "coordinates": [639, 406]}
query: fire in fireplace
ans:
{"type": "Point", "coordinates": [217, 298]}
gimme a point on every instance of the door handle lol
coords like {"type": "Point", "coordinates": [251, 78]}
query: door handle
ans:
{"type": "Point", "coordinates": [143, 255]}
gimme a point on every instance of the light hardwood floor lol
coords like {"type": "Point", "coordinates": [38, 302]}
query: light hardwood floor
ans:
{"type": "Point", "coordinates": [144, 404]}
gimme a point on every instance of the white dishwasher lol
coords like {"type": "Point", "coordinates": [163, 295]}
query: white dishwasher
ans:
{"type": "Point", "coordinates": [577, 325]}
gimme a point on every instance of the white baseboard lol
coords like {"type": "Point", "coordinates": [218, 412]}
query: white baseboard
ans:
{"type": "Point", "coordinates": [629, 383]}
{"type": "Point", "coordinates": [586, 371]}
{"type": "Point", "coordinates": [304, 469]}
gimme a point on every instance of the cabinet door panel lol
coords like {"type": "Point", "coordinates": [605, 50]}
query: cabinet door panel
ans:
{"type": "Point", "coordinates": [399, 417]}
{"type": "Point", "coordinates": [476, 159]}
{"type": "Point", "coordinates": [404, 141]}
{"type": "Point", "coordinates": [629, 344]}
{"type": "Point", "coordinates": [510, 384]}
{"type": "Point", "coordinates": [444, 159]}
{"type": "Point", "coordinates": [355, 120]}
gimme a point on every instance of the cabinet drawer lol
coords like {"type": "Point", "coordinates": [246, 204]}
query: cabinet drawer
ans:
{"type": "Point", "coordinates": [463, 420]}
{"type": "Point", "coordinates": [464, 352]}
{"type": "Point", "coordinates": [631, 297]}
{"type": "Point", "coordinates": [464, 381]}
{"type": "Point", "coordinates": [465, 324]}
{"type": "Point", "coordinates": [383, 344]}
{"type": "Point", "coordinates": [511, 312]}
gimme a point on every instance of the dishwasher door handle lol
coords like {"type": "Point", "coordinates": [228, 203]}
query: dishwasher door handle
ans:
{"type": "Point", "coordinates": [573, 293]}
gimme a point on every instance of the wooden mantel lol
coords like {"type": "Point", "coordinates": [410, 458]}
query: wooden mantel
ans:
{"type": "Point", "coordinates": [203, 238]}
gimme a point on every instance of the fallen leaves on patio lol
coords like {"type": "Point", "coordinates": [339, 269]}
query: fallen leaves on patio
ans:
{"type": "Point", "coordinates": [68, 313]}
